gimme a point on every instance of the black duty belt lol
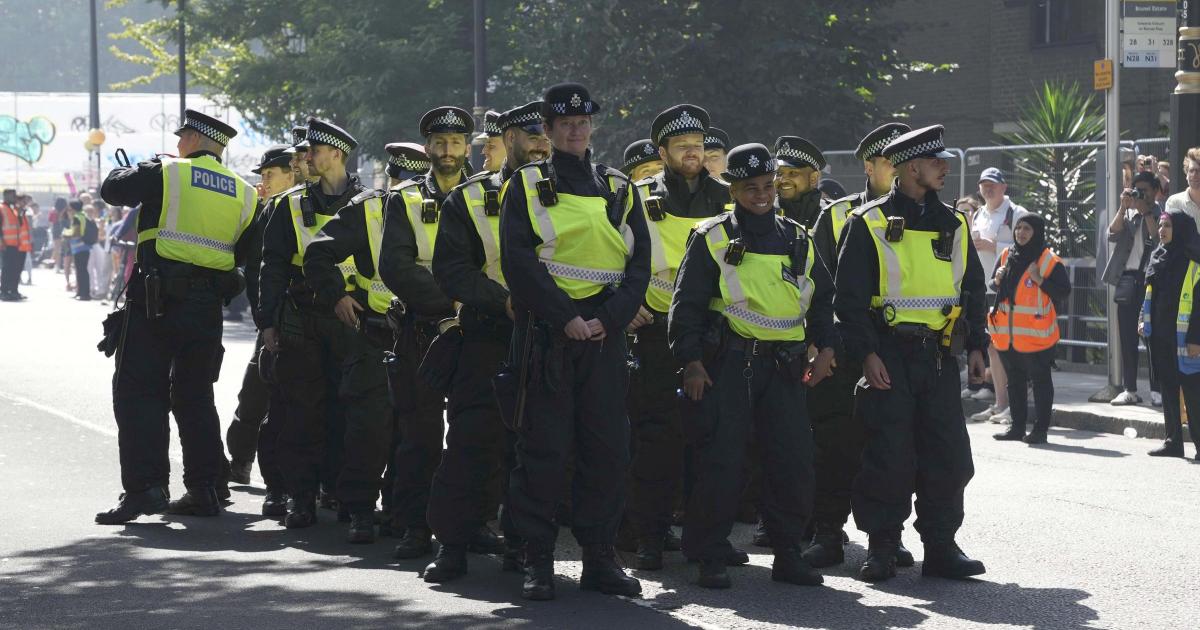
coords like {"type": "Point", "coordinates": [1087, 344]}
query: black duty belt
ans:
{"type": "Point", "coordinates": [914, 332]}
{"type": "Point", "coordinates": [753, 347]}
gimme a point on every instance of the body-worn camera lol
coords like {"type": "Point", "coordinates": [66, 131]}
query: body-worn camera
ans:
{"type": "Point", "coordinates": [491, 203]}
{"type": "Point", "coordinates": [735, 252]}
{"type": "Point", "coordinates": [547, 195]}
{"type": "Point", "coordinates": [654, 209]}
{"type": "Point", "coordinates": [307, 214]}
{"type": "Point", "coordinates": [429, 211]}
{"type": "Point", "coordinates": [894, 233]}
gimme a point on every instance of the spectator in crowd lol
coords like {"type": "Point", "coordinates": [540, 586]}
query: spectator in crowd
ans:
{"type": "Point", "coordinates": [992, 231]}
{"type": "Point", "coordinates": [1169, 315]}
{"type": "Point", "coordinates": [83, 234]}
{"type": "Point", "coordinates": [70, 242]}
{"type": "Point", "coordinates": [1163, 170]}
{"type": "Point", "coordinates": [56, 230]}
{"type": "Point", "coordinates": [99, 267]}
{"type": "Point", "coordinates": [41, 232]}
{"type": "Point", "coordinates": [1147, 164]}
{"type": "Point", "coordinates": [1188, 199]}
{"type": "Point", "coordinates": [1134, 233]}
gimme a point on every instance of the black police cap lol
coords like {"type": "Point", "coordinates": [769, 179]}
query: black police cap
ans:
{"type": "Point", "coordinates": [407, 156]}
{"type": "Point", "coordinates": [527, 117]}
{"type": "Point", "coordinates": [677, 121]}
{"type": "Point", "coordinates": [447, 119]}
{"type": "Point", "coordinates": [638, 153]}
{"type": "Point", "coordinates": [872, 144]}
{"type": "Point", "coordinates": [797, 152]}
{"type": "Point", "coordinates": [491, 123]}
{"type": "Point", "coordinates": [568, 99]}
{"type": "Point", "coordinates": [716, 138]}
{"type": "Point", "coordinates": [277, 155]}
{"type": "Point", "coordinates": [926, 142]}
{"type": "Point", "coordinates": [831, 188]}
{"type": "Point", "coordinates": [748, 160]}
{"type": "Point", "coordinates": [325, 132]}
{"type": "Point", "coordinates": [299, 133]}
{"type": "Point", "coordinates": [206, 126]}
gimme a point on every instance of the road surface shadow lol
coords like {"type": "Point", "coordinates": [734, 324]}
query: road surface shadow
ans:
{"type": "Point", "coordinates": [1078, 450]}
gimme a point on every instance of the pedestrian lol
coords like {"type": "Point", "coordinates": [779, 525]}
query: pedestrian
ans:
{"type": "Point", "coordinates": [907, 329]}
{"type": "Point", "coordinates": [742, 336]}
{"type": "Point", "coordinates": [576, 255]}
{"type": "Point", "coordinates": [41, 233]}
{"type": "Point", "coordinates": [169, 348]}
{"type": "Point", "coordinates": [1023, 323]}
{"type": "Point", "coordinates": [17, 244]}
{"type": "Point", "coordinates": [1188, 199]}
{"type": "Point", "coordinates": [83, 235]}
{"type": "Point", "coordinates": [69, 241]}
{"type": "Point", "coordinates": [56, 229]}
{"type": "Point", "coordinates": [1168, 312]}
{"type": "Point", "coordinates": [99, 264]}
{"type": "Point", "coordinates": [1134, 232]}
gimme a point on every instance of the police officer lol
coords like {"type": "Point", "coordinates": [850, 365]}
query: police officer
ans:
{"type": "Point", "coordinates": [405, 261]}
{"type": "Point", "coordinates": [838, 432]}
{"type": "Point", "coordinates": [674, 201]}
{"type": "Point", "coordinates": [641, 160]}
{"type": "Point", "coordinates": [751, 295]}
{"type": "Point", "coordinates": [716, 144]}
{"type": "Point", "coordinates": [169, 354]}
{"type": "Point", "coordinates": [466, 265]}
{"type": "Point", "coordinates": [299, 155]}
{"type": "Point", "coordinates": [800, 164]}
{"type": "Point", "coordinates": [492, 142]}
{"type": "Point", "coordinates": [909, 289]}
{"type": "Point", "coordinates": [406, 160]}
{"type": "Point", "coordinates": [576, 255]}
{"type": "Point", "coordinates": [307, 338]}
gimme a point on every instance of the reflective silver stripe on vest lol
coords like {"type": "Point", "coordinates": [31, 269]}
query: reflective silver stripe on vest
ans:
{"type": "Point", "coordinates": [413, 208]}
{"type": "Point", "coordinates": [737, 295]}
{"type": "Point", "coordinates": [541, 215]}
{"type": "Point", "coordinates": [474, 195]}
{"type": "Point", "coordinates": [192, 239]}
{"type": "Point", "coordinates": [1033, 332]}
{"type": "Point", "coordinates": [172, 208]}
{"type": "Point", "coordinates": [762, 321]}
{"type": "Point", "coordinates": [958, 262]}
{"type": "Point", "coordinates": [598, 276]}
{"type": "Point", "coordinates": [922, 303]}
{"type": "Point", "coordinates": [660, 284]}
{"type": "Point", "coordinates": [304, 235]}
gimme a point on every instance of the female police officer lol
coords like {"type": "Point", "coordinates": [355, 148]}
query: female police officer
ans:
{"type": "Point", "coordinates": [751, 295]}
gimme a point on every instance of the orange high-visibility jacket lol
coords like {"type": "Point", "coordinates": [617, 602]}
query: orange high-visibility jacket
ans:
{"type": "Point", "coordinates": [1031, 324]}
{"type": "Point", "coordinates": [16, 229]}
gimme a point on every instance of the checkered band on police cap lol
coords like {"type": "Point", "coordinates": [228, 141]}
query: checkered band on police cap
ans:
{"type": "Point", "coordinates": [639, 152]}
{"type": "Point", "coordinates": [207, 130]}
{"type": "Point", "coordinates": [926, 142]}
{"type": "Point", "coordinates": [679, 120]}
{"type": "Point", "coordinates": [409, 164]}
{"type": "Point", "coordinates": [317, 136]}
{"type": "Point", "coordinates": [528, 114]}
{"type": "Point", "coordinates": [491, 123]}
{"type": "Point", "coordinates": [299, 133]}
{"type": "Point", "coordinates": [749, 160]}
{"type": "Point", "coordinates": [786, 150]}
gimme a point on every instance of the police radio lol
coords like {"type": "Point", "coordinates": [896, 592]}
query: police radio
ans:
{"type": "Point", "coordinates": [546, 193]}
{"type": "Point", "coordinates": [429, 211]}
{"type": "Point", "coordinates": [943, 248]}
{"type": "Point", "coordinates": [735, 252]}
{"type": "Point", "coordinates": [654, 208]}
{"type": "Point", "coordinates": [491, 203]}
{"type": "Point", "coordinates": [307, 214]}
{"type": "Point", "coordinates": [799, 253]}
{"type": "Point", "coordinates": [894, 233]}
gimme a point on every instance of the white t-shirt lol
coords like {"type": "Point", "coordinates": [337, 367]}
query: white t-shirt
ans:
{"type": "Point", "coordinates": [1183, 201]}
{"type": "Point", "coordinates": [993, 227]}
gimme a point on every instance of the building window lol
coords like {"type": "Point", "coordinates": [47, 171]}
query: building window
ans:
{"type": "Point", "coordinates": [1057, 22]}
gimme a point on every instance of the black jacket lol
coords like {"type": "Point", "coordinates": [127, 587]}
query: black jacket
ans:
{"type": "Point", "coordinates": [398, 267]}
{"type": "Point", "coordinates": [803, 210]}
{"type": "Point", "coordinates": [458, 257]}
{"type": "Point", "coordinates": [708, 200]}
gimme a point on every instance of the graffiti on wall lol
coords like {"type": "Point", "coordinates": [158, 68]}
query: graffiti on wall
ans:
{"type": "Point", "coordinates": [25, 139]}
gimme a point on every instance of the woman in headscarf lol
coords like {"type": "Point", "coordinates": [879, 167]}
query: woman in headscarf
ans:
{"type": "Point", "coordinates": [1167, 316]}
{"type": "Point", "coordinates": [1029, 279]}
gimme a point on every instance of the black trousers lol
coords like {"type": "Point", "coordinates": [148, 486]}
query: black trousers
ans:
{"type": "Point", "coordinates": [1163, 352]}
{"type": "Point", "coordinates": [838, 438]}
{"type": "Point", "coordinates": [420, 427]}
{"type": "Point", "coordinates": [367, 408]}
{"type": "Point", "coordinates": [1127, 325]}
{"type": "Point", "coordinates": [83, 282]}
{"type": "Point", "coordinates": [771, 404]}
{"type": "Point", "coordinates": [460, 498]}
{"type": "Point", "coordinates": [575, 399]}
{"type": "Point", "coordinates": [1024, 368]}
{"type": "Point", "coordinates": [916, 440]}
{"type": "Point", "coordinates": [656, 468]}
{"type": "Point", "coordinates": [168, 366]}
{"type": "Point", "coordinates": [253, 402]}
{"type": "Point", "coordinates": [13, 262]}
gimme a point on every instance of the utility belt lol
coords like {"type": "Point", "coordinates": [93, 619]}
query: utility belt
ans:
{"type": "Point", "coordinates": [178, 282]}
{"type": "Point", "coordinates": [376, 329]}
{"type": "Point", "coordinates": [301, 293]}
{"type": "Point", "coordinates": [477, 325]}
{"type": "Point", "coordinates": [791, 357]}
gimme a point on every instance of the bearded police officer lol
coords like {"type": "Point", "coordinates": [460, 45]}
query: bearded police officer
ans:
{"type": "Point", "coordinates": [405, 260]}
{"type": "Point", "coordinates": [406, 160]}
{"type": "Point", "coordinates": [716, 144]}
{"type": "Point", "coordinates": [493, 144]}
{"type": "Point", "coordinates": [800, 164]}
{"type": "Point", "coordinates": [674, 200]}
{"type": "Point", "coordinates": [192, 233]}
{"type": "Point", "coordinates": [909, 296]}
{"type": "Point", "coordinates": [641, 160]}
{"type": "Point", "coordinates": [576, 256]}
{"type": "Point", "coordinates": [466, 264]}
{"type": "Point", "coordinates": [751, 295]}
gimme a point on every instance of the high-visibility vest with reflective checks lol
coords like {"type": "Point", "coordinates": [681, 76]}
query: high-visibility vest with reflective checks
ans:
{"type": "Point", "coordinates": [305, 234]}
{"type": "Point", "coordinates": [16, 228]}
{"type": "Point", "coordinates": [668, 241]}
{"type": "Point", "coordinates": [839, 210]}
{"type": "Point", "coordinates": [487, 227]}
{"type": "Point", "coordinates": [580, 248]}
{"type": "Point", "coordinates": [1030, 323]}
{"type": "Point", "coordinates": [915, 286]}
{"type": "Point", "coordinates": [205, 209]}
{"type": "Point", "coordinates": [424, 232]}
{"type": "Point", "coordinates": [1187, 365]}
{"type": "Point", "coordinates": [760, 297]}
{"type": "Point", "coordinates": [379, 297]}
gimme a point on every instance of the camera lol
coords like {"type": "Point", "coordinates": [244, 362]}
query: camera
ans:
{"type": "Point", "coordinates": [1136, 193]}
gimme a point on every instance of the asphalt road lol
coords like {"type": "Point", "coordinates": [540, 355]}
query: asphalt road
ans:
{"type": "Point", "coordinates": [1086, 532]}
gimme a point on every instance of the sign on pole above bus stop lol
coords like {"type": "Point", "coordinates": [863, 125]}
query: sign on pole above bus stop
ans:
{"type": "Point", "coordinates": [1149, 30]}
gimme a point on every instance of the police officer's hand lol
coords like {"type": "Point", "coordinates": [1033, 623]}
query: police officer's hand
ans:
{"type": "Point", "coordinates": [975, 366]}
{"type": "Point", "coordinates": [347, 310]}
{"type": "Point", "coordinates": [271, 339]}
{"type": "Point", "coordinates": [596, 329]}
{"type": "Point", "coordinates": [820, 367]}
{"type": "Point", "coordinates": [875, 372]}
{"type": "Point", "coordinates": [695, 379]}
{"type": "Point", "coordinates": [643, 318]}
{"type": "Point", "coordinates": [577, 329]}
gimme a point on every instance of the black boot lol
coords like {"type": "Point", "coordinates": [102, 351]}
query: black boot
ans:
{"type": "Point", "coordinates": [602, 573]}
{"type": "Point", "coordinates": [827, 547]}
{"type": "Point", "coordinates": [650, 554]}
{"type": "Point", "coordinates": [904, 557]}
{"type": "Point", "coordinates": [734, 557]}
{"type": "Point", "coordinates": [1168, 449]}
{"type": "Point", "coordinates": [326, 500]}
{"type": "Point", "coordinates": [761, 537]}
{"type": "Point", "coordinates": [539, 574]}
{"type": "Point", "coordinates": [486, 541]}
{"type": "Point", "coordinates": [791, 567]}
{"type": "Point", "coordinates": [241, 439]}
{"type": "Point", "coordinates": [1013, 434]}
{"type": "Point", "coordinates": [196, 502]}
{"type": "Point", "coordinates": [362, 528]}
{"type": "Point", "coordinates": [302, 511]}
{"type": "Point", "coordinates": [948, 561]}
{"type": "Point", "coordinates": [239, 471]}
{"type": "Point", "coordinates": [514, 558]}
{"type": "Point", "coordinates": [450, 563]}
{"type": "Point", "coordinates": [414, 544]}
{"type": "Point", "coordinates": [130, 505]}
{"type": "Point", "coordinates": [881, 559]}
{"type": "Point", "coordinates": [275, 503]}
{"type": "Point", "coordinates": [713, 574]}
{"type": "Point", "coordinates": [1036, 436]}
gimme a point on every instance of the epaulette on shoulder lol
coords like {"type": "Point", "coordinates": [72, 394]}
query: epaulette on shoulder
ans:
{"type": "Point", "coordinates": [834, 202]}
{"type": "Point", "coordinates": [800, 229]}
{"type": "Point", "coordinates": [875, 203]}
{"type": "Point", "coordinates": [367, 194]}
{"type": "Point", "coordinates": [477, 177]}
{"type": "Point", "coordinates": [612, 172]}
{"type": "Point", "coordinates": [293, 189]}
{"type": "Point", "coordinates": [704, 226]}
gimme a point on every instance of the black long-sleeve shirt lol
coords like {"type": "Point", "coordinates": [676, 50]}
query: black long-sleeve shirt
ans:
{"type": "Point", "coordinates": [345, 235]}
{"type": "Point", "coordinates": [398, 267]}
{"type": "Point", "coordinates": [803, 210]}
{"type": "Point", "coordinates": [279, 245]}
{"type": "Point", "coordinates": [698, 283]}
{"type": "Point", "coordinates": [142, 184]}
{"type": "Point", "coordinates": [858, 273]}
{"type": "Point", "coordinates": [459, 258]}
{"type": "Point", "coordinates": [532, 286]}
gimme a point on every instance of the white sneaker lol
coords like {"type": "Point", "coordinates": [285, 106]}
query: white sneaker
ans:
{"type": "Point", "coordinates": [983, 395]}
{"type": "Point", "coordinates": [1126, 398]}
{"type": "Point", "coordinates": [1002, 417]}
{"type": "Point", "coordinates": [1156, 399]}
{"type": "Point", "coordinates": [966, 393]}
{"type": "Point", "coordinates": [985, 414]}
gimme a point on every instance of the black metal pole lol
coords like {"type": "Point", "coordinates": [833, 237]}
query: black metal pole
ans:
{"type": "Point", "coordinates": [480, 41]}
{"type": "Point", "coordinates": [1185, 101]}
{"type": "Point", "coordinates": [182, 61]}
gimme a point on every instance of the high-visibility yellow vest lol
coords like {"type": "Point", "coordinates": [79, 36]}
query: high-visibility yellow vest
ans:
{"type": "Point", "coordinates": [668, 242]}
{"type": "Point", "coordinates": [580, 248]}
{"type": "Point", "coordinates": [1029, 323]}
{"type": "Point", "coordinates": [915, 286]}
{"type": "Point", "coordinates": [1183, 318]}
{"type": "Point", "coordinates": [424, 225]}
{"type": "Point", "coordinates": [305, 234]}
{"type": "Point", "coordinates": [760, 297]}
{"type": "Point", "coordinates": [379, 297]}
{"type": "Point", "coordinates": [839, 210]}
{"type": "Point", "coordinates": [486, 226]}
{"type": "Point", "coordinates": [205, 209]}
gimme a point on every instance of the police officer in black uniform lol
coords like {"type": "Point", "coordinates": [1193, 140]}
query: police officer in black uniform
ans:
{"type": "Point", "coordinates": [716, 145]}
{"type": "Point", "coordinates": [641, 160]}
{"type": "Point", "coordinates": [916, 435]}
{"type": "Point", "coordinates": [169, 350]}
{"type": "Point", "coordinates": [309, 341]}
{"type": "Point", "coordinates": [492, 142]}
{"type": "Point", "coordinates": [406, 160]}
{"type": "Point", "coordinates": [409, 235]}
{"type": "Point", "coordinates": [800, 164]}
{"type": "Point", "coordinates": [466, 265]}
{"type": "Point", "coordinates": [570, 231]}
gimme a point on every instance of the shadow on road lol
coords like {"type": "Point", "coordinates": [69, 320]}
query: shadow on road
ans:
{"type": "Point", "coordinates": [984, 602]}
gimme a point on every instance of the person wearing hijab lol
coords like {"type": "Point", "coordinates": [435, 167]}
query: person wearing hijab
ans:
{"type": "Point", "coordinates": [1029, 279]}
{"type": "Point", "coordinates": [1167, 315]}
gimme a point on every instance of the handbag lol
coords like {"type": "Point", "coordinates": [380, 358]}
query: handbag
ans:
{"type": "Point", "coordinates": [1129, 289]}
